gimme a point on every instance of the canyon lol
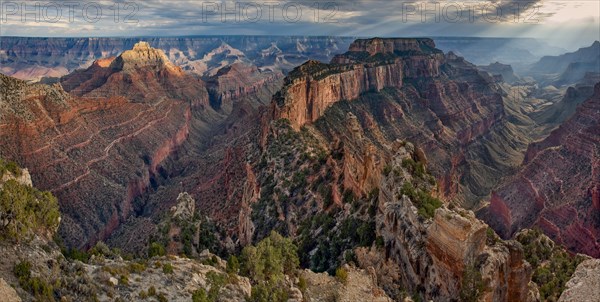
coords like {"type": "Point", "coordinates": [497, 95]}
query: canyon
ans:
{"type": "Point", "coordinates": [258, 145]}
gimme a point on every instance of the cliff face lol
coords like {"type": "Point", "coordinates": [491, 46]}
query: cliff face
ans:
{"type": "Point", "coordinates": [557, 186]}
{"type": "Point", "coordinates": [241, 81]}
{"type": "Point", "coordinates": [313, 87]}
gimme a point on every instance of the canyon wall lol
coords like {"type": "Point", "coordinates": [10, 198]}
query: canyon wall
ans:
{"type": "Point", "coordinates": [557, 187]}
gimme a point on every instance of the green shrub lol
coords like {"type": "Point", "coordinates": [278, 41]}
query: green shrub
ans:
{"type": "Point", "coordinates": [472, 285]}
{"type": "Point", "coordinates": [124, 280]}
{"type": "Point", "coordinates": [273, 257]}
{"type": "Point", "coordinates": [200, 295]}
{"type": "Point", "coordinates": [491, 237]}
{"type": "Point", "coordinates": [216, 281]}
{"type": "Point", "coordinates": [387, 170]}
{"type": "Point", "coordinates": [233, 265]}
{"type": "Point", "coordinates": [553, 266]}
{"type": "Point", "coordinates": [269, 292]}
{"type": "Point", "coordinates": [22, 270]}
{"type": "Point", "coordinates": [75, 254]}
{"type": "Point", "coordinates": [379, 241]}
{"type": "Point", "coordinates": [101, 249]}
{"type": "Point", "coordinates": [341, 274]}
{"type": "Point", "coordinates": [162, 298]}
{"type": "Point", "coordinates": [9, 166]}
{"type": "Point", "coordinates": [137, 267]}
{"type": "Point", "coordinates": [302, 284]}
{"type": "Point", "coordinates": [39, 288]}
{"type": "Point", "coordinates": [156, 249]}
{"type": "Point", "coordinates": [27, 210]}
{"type": "Point", "coordinates": [167, 268]}
{"type": "Point", "coordinates": [266, 264]}
{"type": "Point", "coordinates": [425, 203]}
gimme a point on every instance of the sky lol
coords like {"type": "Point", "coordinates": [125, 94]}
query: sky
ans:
{"type": "Point", "coordinates": [568, 24]}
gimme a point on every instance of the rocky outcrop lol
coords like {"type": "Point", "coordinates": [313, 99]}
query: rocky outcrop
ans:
{"type": "Point", "coordinates": [584, 284]}
{"type": "Point", "coordinates": [360, 285]}
{"type": "Point", "coordinates": [185, 208]}
{"type": "Point", "coordinates": [143, 74]}
{"type": "Point", "coordinates": [434, 254]}
{"type": "Point", "coordinates": [144, 56]}
{"type": "Point", "coordinates": [23, 177]}
{"type": "Point", "coordinates": [241, 81]}
{"type": "Point", "coordinates": [454, 111]}
{"type": "Point", "coordinates": [557, 186]}
{"type": "Point", "coordinates": [377, 45]}
{"type": "Point", "coordinates": [507, 274]}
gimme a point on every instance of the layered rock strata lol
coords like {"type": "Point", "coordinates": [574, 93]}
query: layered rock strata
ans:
{"type": "Point", "coordinates": [557, 188]}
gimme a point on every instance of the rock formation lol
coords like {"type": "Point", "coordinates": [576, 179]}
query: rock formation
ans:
{"type": "Point", "coordinates": [313, 87]}
{"type": "Point", "coordinates": [185, 208]}
{"type": "Point", "coordinates": [434, 254]}
{"type": "Point", "coordinates": [440, 101]}
{"type": "Point", "coordinates": [8, 293]}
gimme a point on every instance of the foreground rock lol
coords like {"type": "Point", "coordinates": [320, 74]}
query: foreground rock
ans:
{"type": "Point", "coordinates": [585, 283]}
{"type": "Point", "coordinates": [360, 285]}
{"type": "Point", "coordinates": [8, 293]}
{"type": "Point", "coordinates": [447, 255]}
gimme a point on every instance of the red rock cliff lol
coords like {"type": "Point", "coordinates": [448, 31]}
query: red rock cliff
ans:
{"type": "Point", "coordinates": [370, 65]}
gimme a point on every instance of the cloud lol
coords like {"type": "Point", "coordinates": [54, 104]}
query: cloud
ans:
{"type": "Point", "coordinates": [315, 17]}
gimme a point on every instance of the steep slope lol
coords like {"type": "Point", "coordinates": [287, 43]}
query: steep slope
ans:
{"type": "Point", "coordinates": [100, 146]}
{"type": "Point", "coordinates": [406, 89]}
{"type": "Point", "coordinates": [557, 186]}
